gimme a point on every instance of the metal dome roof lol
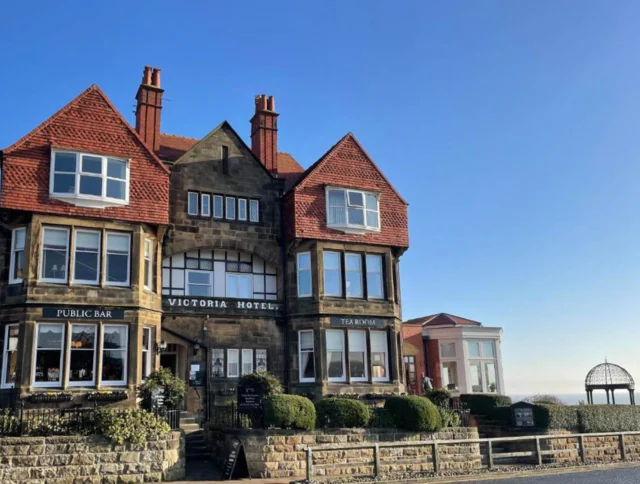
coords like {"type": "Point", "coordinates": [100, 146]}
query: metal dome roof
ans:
{"type": "Point", "coordinates": [607, 374]}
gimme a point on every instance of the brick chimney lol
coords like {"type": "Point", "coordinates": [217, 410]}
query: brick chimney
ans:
{"type": "Point", "coordinates": [149, 107]}
{"type": "Point", "coordinates": [264, 132]}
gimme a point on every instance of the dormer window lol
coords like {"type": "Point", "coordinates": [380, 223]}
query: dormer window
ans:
{"type": "Point", "coordinates": [352, 211]}
{"type": "Point", "coordinates": [89, 180]}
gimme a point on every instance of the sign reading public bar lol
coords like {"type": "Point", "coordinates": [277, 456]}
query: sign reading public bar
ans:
{"type": "Point", "coordinates": [213, 303]}
{"type": "Point", "coordinates": [355, 322]}
{"type": "Point", "coordinates": [82, 313]}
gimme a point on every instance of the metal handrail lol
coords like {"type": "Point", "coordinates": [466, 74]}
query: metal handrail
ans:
{"type": "Point", "coordinates": [435, 444]}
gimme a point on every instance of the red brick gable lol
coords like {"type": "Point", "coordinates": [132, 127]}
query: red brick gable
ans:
{"type": "Point", "coordinates": [88, 123]}
{"type": "Point", "coordinates": [345, 164]}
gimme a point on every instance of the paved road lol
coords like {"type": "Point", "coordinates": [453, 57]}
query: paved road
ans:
{"type": "Point", "coordinates": [613, 476]}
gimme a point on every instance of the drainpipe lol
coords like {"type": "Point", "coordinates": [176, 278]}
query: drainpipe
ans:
{"type": "Point", "coordinates": [283, 264]}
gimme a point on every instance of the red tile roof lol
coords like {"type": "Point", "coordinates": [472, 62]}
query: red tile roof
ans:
{"type": "Point", "coordinates": [345, 164]}
{"type": "Point", "coordinates": [443, 319]}
{"type": "Point", "coordinates": [173, 147]}
{"type": "Point", "coordinates": [88, 123]}
{"type": "Point", "coordinates": [289, 169]}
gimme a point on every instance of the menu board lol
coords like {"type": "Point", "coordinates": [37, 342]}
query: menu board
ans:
{"type": "Point", "coordinates": [524, 417]}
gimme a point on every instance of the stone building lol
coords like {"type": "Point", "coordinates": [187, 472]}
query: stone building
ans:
{"type": "Point", "coordinates": [239, 258]}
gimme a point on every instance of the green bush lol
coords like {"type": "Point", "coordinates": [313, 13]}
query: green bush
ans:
{"type": "Point", "coordinates": [450, 418]}
{"type": "Point", "coordinates": [136, 426]}
{"type": "Point", "coordinates": [481, 404]}
{"type": "Point", "coordinates": [381, 418]}
{"type": "Point", "coordinates": [556, 417]}
{"type": "Point", "coordinates": [174, 389]}
{"type": "Point", "coordinates": [289, 411]}
{"type": "Point", "coordinates": [341, 413]}
{"type": "Point", "coordinates": [608, 418]}
{"type": "Point", "coordinates": [439, 396]}
{"type": "Point", "coordinates": [501, 414]}
{"type": "Point", "coordinates": [414, 413]}
{"type": "Point", "coordinates": [546, 399]}
{"type": "Point", "coordinates": [269, 383]}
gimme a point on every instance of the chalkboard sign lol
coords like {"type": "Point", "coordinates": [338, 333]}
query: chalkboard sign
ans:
{"type": "Point", "coordinates": [197, 374]}
{"type": "Point", "coordinates": [523, 414]}
{"type": "Point", "coordinates": [249, 397]}
{"type": "Point", "coordinates": [236, 465]}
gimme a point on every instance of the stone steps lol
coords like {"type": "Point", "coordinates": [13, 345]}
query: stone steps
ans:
{"type": "Point", "coordinates": [195, 445]}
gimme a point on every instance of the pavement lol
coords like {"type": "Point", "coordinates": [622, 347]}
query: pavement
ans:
{"type": "Point", "coordinates": [629, 475]}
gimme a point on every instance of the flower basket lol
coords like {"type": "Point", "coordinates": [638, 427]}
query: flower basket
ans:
{"type": "Point", "coordinates": [50, 397]}
{"type": "Point", "coordinates": [107, 396]}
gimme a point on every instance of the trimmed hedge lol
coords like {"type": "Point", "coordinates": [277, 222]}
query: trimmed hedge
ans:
{"type": "Point", "coordinates": [381, 418]}
{"type": "Point", "coordinates": [289, 412]}
{"type": "Point", "coordinates": [439, 396]}
{"type": "Point", "coordinates": [556, 417]}
{"type": "Point", "coordinates": [341, 413]}
{"type": "Point", "coordinates": [482, 404]}
{"type": "Point", "coordinates": [501, 414]}
{"type": "Point", "coordinates": [588, 418]}
{"type": "Point", "coordinates": [411, 412]}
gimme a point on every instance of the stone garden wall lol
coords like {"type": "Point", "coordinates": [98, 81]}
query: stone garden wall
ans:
{"type": "Point", "coordinates": [281, 453]}
{"type": "Point", "coordinates": [597, 448]}
{"type": "Point", "coordinates": [58, 460]}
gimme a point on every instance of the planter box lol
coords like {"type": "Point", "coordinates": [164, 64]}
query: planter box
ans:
{"type": "Point", "coordinates": [107, 397]}
{"type": "Point", "coordinates": [47, 398]}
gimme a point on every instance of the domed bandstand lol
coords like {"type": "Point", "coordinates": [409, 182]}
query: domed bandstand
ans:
{"type": "Point", "coordinates": [609, 377]}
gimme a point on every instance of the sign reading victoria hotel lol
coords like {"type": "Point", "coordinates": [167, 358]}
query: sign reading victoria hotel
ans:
{"type": "Point", "coordinates": [214, 303]}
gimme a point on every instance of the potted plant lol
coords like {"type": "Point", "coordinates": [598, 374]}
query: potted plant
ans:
{"type": "Point", "coordinates": [107, 396]}
{"type": "Point", "coordinates": [50, 397]}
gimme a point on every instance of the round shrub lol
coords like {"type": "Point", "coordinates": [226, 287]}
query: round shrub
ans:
{"type": "Point", "coordinates": [136, 426]}
{"type": "Point", "coordinates": [268, 382]}
{"type": "Point", "coordinates": [381, 418]}
{"type": "Point", "coordinates": [174, 389]}
{"type": "Point", "coordinates": [289, 412]}
{"type": "Point", "coordinates": [341, 412]}
{"type": "Point", "coordinates": [411, 412]}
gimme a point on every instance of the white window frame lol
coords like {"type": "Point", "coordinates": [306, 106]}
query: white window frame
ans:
{"type": "Point", "coordinates": [75, 258]}
{"type": "Point", "coordinates": [222, 207]}
{"type": "Point", "coordinates": [340, 269]}
{"type": "Point", "coordinates": [299, 270]}
{"type": "Point", "coordinates": [448, 344]}
{"type": "Point", "coordinates": [81, 199]}
{"type": "Point", "coordinates": [235, 352]}
{"type": "Point", "coordinates": [195, 205]}
{"type": "Point", "coordinates": [5, 355]}
{"type": "Point", "coordinates": [106, 268]}
{"type": "Point", "coordinates": [48, 384]}
{"type": "Point", "coordinates": [301, 378]}
{"type": "Point", "coordinates": [148, 257]}
{"type": "Point", "coordinates": [358, 256]}
{"type": "Point", "coordinates": [186, 281]}
{"type": "Point", "coordinates": [482, 361]}
{"type": "Point", "coordinates": [264, 352]}
{"type": "Point", "coordinates": [12, 263]}
{"type": "Point", "coordinates": [386, 355]}
{"type": "Point", "coordinates": [238, 275]}
{"type": "Point", "coordinates": [347, 226]}
{"type": "Point", "coordinates": [247, 354]}
{"type": "Point", "coordinates": [66, 262]}
{"type": "Point", "coordinates": [115, 383]}
{"type": "Point", "coordinates": [242, 209]}
{"type": "Point", "coordinates": [380, 257]}
{"type": "Point", "coordinates": [255, 203]}
{"type": "Point", "coordinates": [146, 368]}
{"type": "Point", "coordinates": [363, 333]}
{"type": "Point", "coordinates": [70, 350]}
{"type": "Point", "coordinates": [207, 205]}
{"type": "Point", "coordinates": [226, 208]}
{"type": "Point", "coordinates": [343, 378]}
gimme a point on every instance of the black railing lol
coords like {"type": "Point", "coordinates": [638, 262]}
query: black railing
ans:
{"type": "Point", "coordinates": [229, 416]}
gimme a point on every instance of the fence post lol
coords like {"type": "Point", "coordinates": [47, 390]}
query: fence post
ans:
{"type": "Point", "coordinates": [21, 417]}
{"type": "Point", "coordinates": [538, 451]}
{"type": "Point", "coordinates": [309, 464]}
{"type": "Point", "coordinates": [581, 449]}
{"type": "Point", "coordinates": [489, 454]}
{"type": "Point", "coordinates": [436, 458]}
{"type": "Point", "coordinates": [376, 460]}
{"type": "Point", "coordinates": [623, 447]}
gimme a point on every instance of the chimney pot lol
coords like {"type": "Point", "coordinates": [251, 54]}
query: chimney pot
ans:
{"type": "Point", "coordinates": [264, 132]}
{"type": "Point", "coordinates": [155, 78]}
{"type": "Point", "coordinates": [271, 104]}
{"type": "Point", "coordinates": [146, 76]}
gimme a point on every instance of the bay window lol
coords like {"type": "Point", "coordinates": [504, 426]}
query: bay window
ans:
{"type": "Point", "coordinates": [233, 363]}
{"type": "Point", "coordinates": [118, 255]}
{"type": "Point", "coordinates": [306, 357]}
{"type": "Point", "coordinates": [148, 264]}
{"type": "Point", "coordinates": [16, 269]}
{"type": "Point", "coordinates": [247, 362]}
{"type": "Point", "coordinates": [483, 366]}
{"type": "Point", "coordinates": [55, 255]}
{"type": "Point", "coordinates": [86, 257]}
{"type": "Point", "coordinates": [82, 354]}
{"type": "Point", "coordinates": [9, 356]}
{"type": "Point", "coordinates": [304, 274]}
{"type": "Point", "coordinates": [352, 209]}
{"type": "Point", "coordinates": [354, 275]}
{"type": "Point", "coordinates": [147, 352]}
{"type": "Point", "coordinates": [358, 355]}
{"type": "Point", "coordinates": [48, 356]}
{"type": "Point", "coordinates": [375, 288]}
{"type": "Point", "coordinates": [332, 274]}
{"type": "Point", "coordinates": [114, 354]}
{"type": "Point", "coordinates": [335, 356]}
{"type": "Point", "coordinates": [199, 283]}
{"type": "Point", "coordinates": [379, 356]}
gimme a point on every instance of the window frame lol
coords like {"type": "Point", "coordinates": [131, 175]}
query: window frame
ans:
{"type": "Point", "coordinates": [348, 226]}
{"type": "Point", "coordinates": [237, 275]}
{"type": "Point", "coordinates": [125, 368]}
{"type": "Point", "coordinates": [257, 218]}
{"type": "Point", "coordinates": [52, 280]}
{"type": "Point", "coordinates": [207, 205]}
{"type": "Point", "coordinates": [222, 207]}
{"type": "Point", "coordinates": [12, 262]}
{"type": "Point", "coordinates": [343, 378]}
{"type": "Point", "coordinates": [226, 207]}
{"type": "Point", "coordinates": [70, 350]}
{"type": "Point", "coordinates": [358, 256]}
{"type": "Point", "coordinates": [364, 335]}
{"type": "Point", "coordinates": [48, 384]}
{"type": "Point", "coordinates": [301, 378]}
{"type": "Point", "coordinates": [481, 361]}
{"type": "Point", "coordinates": [387, 367]}
{"type": "Point", "coordinates": [75, 258]}
{"type": "Point", "coordinates": [106, 260]}
{"type": "Point", "coordinates": [247, 354]}
{"type": "Point", "coordinates": [5, 355]}
{"type": "Point", "coordinates": [235, 351]}
{"type": "Point", "coordinates": [299, 270]}
{"type": "Point", "coordinates": [148, 271]}
{"type": "Point", "coordinates": [186, 281]}
{"type": "Point", "coordinates": [340, 269]}
{"type": "Point", "coordinates": [147, 366]}
{"type": "Point", "coordinates": [189, 205]}
{"type": "Point", "coordinates": [381, 257]}
{"type": "Point", "coordinates": [241, 217]}
{"type": "Point", "coordinates": [76, 195]}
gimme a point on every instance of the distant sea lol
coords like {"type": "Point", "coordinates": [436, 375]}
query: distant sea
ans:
{"type": "Point", "coordinates": [599, 397]}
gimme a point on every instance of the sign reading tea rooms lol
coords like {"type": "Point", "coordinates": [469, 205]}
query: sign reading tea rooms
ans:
{"type": "Point", "coordinates": [211, 304]}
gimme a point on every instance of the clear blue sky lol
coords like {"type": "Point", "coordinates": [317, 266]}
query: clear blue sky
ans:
{"type": "Point", "coordinates": [512, 128]}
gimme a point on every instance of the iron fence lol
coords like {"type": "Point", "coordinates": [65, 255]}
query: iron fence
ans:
{"type": "Point", "coordinates": [230, 416]}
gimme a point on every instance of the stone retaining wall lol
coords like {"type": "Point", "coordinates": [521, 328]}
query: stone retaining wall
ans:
{"type": "Point", "coordinates": [281, 453]}
{"type": "Point", "coordinates": [63, 460]}
{"type": "Point", "coordinates": [597, 449]}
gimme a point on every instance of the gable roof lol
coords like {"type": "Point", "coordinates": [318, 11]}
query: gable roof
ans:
{"type": "Point", "coordinates": [289, 169]}
{"type": "Point", "coordinates": [443, 319]}
{"type": "Point", "coordinates": [348, 139]}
